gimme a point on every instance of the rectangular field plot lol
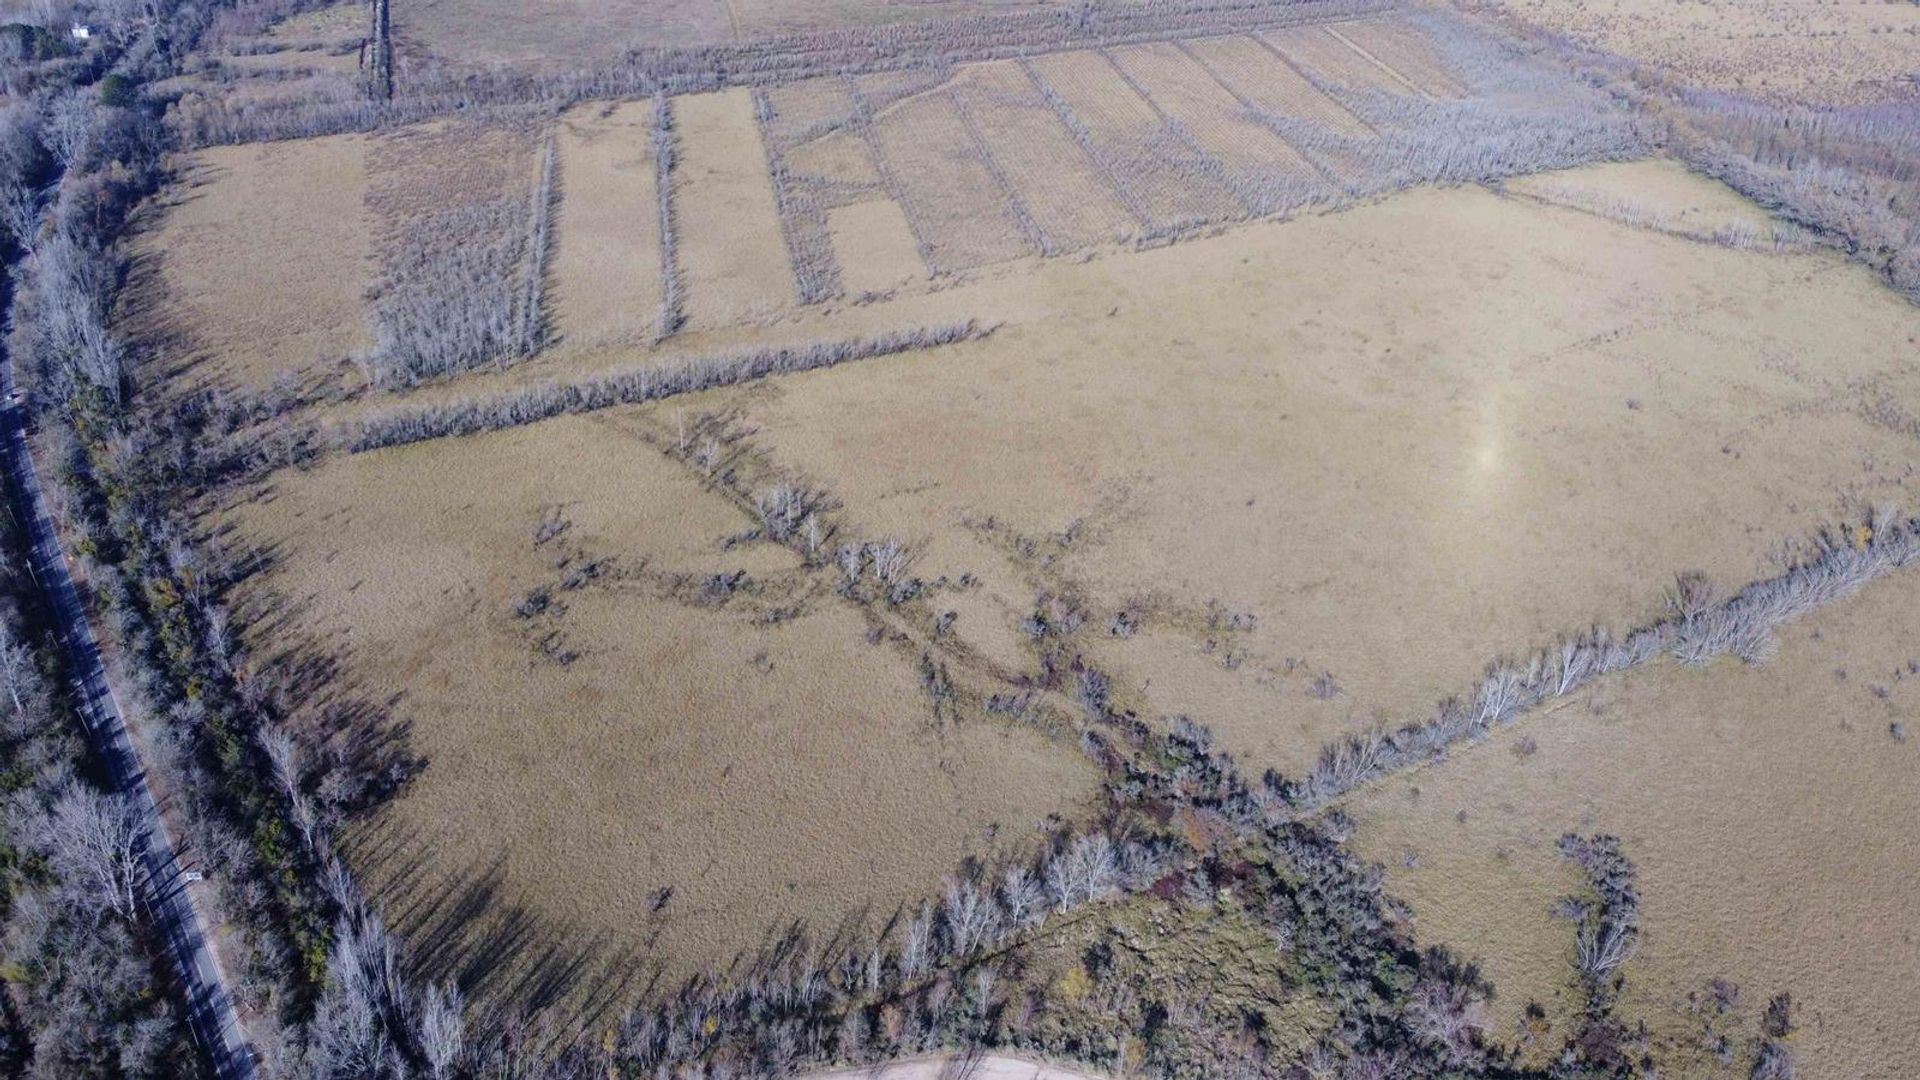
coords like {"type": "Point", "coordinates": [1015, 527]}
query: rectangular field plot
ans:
{"type": "Point", "coordinates": [1409, 51]}
{"type": "Point", "coordinates": [950, 195]}
{"type": "Point", "coordinates": [258, 269]}
{"type": "Point", "coordinates": [874, 246]}
{"type": "Point", "coordinates": [1161, 178]}
{"type": "Point", "coordinates": [1262, 170]}
{"type": "Point", "coordinates": [731, 256]}
{"type": "Point", "coordinates": [1262, 76]}
{"type": "Point", "coordinates": [606, 264]}
{"type": "Point", "coordinates": [1331, 60]}
{"type": "Point", "coordinates": [839, 161]}
{"type": "Point", "coordinates": [1071, 201]}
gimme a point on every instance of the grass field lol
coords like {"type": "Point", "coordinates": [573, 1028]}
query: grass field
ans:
{"type": "Point", "coordinates": [606, 283]}
{"type": "Point", "coordinates": [259, 264]}
{"type": "Point", "coordinates": [1846, 53]}
{"type": "Point", "coordinates": [1245, 432]}
{"type": "Point", "coordinates": [1757, 805]}
{"type": "Point", "coordinates": [1116, 446]}
{"type": "Point", "coordinates": [1130, 452]}
{"type": "Point", "coordinates": [747, 747]}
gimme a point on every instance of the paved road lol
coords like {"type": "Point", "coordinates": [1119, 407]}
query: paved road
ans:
{"type": "Point", "coordinates": [216, 1027]}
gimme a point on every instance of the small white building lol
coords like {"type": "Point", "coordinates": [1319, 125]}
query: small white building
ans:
{"type": "Point", "coordinates": [80, 32]}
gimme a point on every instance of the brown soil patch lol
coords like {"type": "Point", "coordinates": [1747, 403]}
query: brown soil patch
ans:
{"type": "Point", "coordinates": [1766, 807]}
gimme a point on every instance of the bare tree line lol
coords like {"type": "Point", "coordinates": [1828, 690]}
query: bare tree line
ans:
{"type": "Point", "coordinates": [530, 313]}
{"type": "Point", "coordinates": [665, 146]}
{"type": "Point", "coordinates": [1700, 626]}
{"type": "Point", "coordinates": [542, 401]}
{"type": "Point", "coordinates": [803, 218]}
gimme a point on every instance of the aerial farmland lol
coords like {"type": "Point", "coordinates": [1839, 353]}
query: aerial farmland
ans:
{"type": "Point", "coordinates": [1127, 538]}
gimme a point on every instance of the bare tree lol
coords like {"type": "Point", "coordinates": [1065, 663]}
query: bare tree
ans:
{"type": "Point", "coordinates": [442, 1034]}
{"type": "Point", "coordinates": [94, 841]}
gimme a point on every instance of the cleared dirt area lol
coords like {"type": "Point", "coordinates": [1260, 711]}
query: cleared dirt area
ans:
{"type": "Point", "coordinates": [605, 285]}
{"type": "Point", "coordinates": [1849, 52]}
{"type": "Point", "coordinates": [655, 757]}
{"type": "Point", "coordinates": [1398, 475]}
{"type": "Point", "coordinates": [1767, 808]}
{"type": "Point", "coordinates": [259, 262]}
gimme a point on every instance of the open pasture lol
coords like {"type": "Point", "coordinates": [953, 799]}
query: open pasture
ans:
{"type": "Point", "coordinates": [1765, 808]}
{"type": "Point", "coordinates": [255, 270]}
{"type": "Point", "coordinates": [1143, 457]}
{"type": "Point", "coordinates": [606, 287]}
{"type": "Point", "coordinates": [641, 731]}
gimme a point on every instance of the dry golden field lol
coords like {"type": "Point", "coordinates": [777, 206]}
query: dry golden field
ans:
{"type": "Point", "coordinates": [1765, 807]}
{"type": "Point", "coordinates": [259, 262]}
{"type": "Point", "coordinates": [606, 272]}
{"type": "Point", "coordinates": [1389, 478]}
{"type": "Point", "coordinates": [1399, 475]}
{"type": "Point", "coordinates": [1274, 434]}
{"type": "Point", "coordinates": [750, 748]}
{"type": "Point", "coordinates": [1846, 52]}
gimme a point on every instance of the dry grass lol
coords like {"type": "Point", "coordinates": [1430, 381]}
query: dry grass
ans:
{"type": "Point", "coordinates": [733, 264]}
{"type": "Point", "coordinates": [875, 247]}
{"type": "Point", "coordinates": [606, 270]}
{"type": "Point", "coordinates": [1401, 474]}
{"type": "Point", "coordinates": [1765, 809]}
{"type": "Point", "coordinates": [258, 263]}
{"type": "Point", "coordinates": [1797, 50]}
{"type": "Point", "coordinates": [755, 753]}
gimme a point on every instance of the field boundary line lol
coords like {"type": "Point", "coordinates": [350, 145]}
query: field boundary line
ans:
{"type": "Point", "coordinates": [1326, 175]}
{"type": "Point", "coordinates": [1214, 168]}
{"type": "Point", "coordinates": [1379, 63]}
{"type": "Point", "coordinates": [1016, 205]}
{"type": "Point", "coordinates": [1312, 80]}
{"type": "Point", "coordinates": [1077, 131]}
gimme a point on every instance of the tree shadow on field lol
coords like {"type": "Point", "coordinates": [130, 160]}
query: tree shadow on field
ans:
{"type": "Point", "coordinates": [355, 747]}
{"type": "Point", "coordinates": [470, 927]}
{"type": "Point", "coordinates": [167, 352]}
